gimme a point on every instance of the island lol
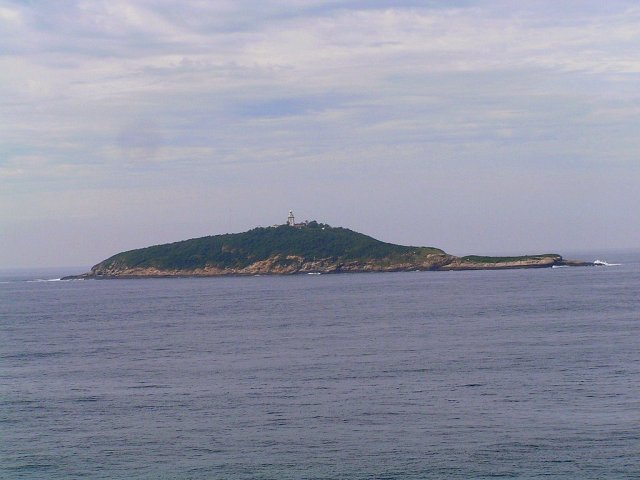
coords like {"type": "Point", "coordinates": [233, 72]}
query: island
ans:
{"type": "Point", "coordinates": [298, 248]}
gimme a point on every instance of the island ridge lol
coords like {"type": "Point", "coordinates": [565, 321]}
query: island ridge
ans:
{"type": "Point", "coordinates": [308, 247]}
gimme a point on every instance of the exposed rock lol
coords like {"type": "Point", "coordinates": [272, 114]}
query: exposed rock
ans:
{"type": "Point", "coordinates": [292, 264]}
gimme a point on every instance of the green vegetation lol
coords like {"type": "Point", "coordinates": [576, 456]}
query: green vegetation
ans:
{"type": "Point", "coordinates": [314, 241]}
{"type": "Point", "coordinates": [480, 259]}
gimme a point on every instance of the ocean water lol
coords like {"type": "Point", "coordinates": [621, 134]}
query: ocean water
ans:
{"type": "Point", "coordinates": [512, 374]}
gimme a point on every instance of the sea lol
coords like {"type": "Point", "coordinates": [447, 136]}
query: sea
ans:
{"type": "Point", "coordinates": [416, 375]}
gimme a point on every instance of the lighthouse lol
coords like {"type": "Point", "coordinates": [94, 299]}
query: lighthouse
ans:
{"type": "Point", "coordinates": [291, 221]}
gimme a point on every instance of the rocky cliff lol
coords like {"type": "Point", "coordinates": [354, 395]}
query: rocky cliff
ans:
{"type": "Point", "coordinates": [277, 265]}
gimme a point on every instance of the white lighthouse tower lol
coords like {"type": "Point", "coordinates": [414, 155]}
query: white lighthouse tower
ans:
{"type": "Point", "coordinates": [291, 221]}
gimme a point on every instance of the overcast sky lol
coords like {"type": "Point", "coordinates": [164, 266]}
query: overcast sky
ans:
{"type": "Point", "coordinates": [474, 126]}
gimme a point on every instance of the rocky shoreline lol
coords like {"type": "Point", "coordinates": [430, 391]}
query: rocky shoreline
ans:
{"type": "Point", "coordinates": [292, 264]}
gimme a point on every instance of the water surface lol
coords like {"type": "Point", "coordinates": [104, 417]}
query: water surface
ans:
{"type": "Point", "coordinates": [516, 374]}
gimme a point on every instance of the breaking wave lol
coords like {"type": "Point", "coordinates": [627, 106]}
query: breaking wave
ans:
{"type": "Point", "coordinates": [604, 263]}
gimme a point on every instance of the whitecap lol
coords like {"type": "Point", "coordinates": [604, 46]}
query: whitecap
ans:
{"type": "Point", "coordinates": [604, 263]}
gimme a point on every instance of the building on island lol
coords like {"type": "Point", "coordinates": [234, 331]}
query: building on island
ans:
{"type": "Point", "coordinates": [291, 221]}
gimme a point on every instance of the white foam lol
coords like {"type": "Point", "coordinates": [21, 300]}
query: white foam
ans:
{"type": "Point", "coordinates": [604, 263]}
{"type": "Point", "coordinates": [38, 280]}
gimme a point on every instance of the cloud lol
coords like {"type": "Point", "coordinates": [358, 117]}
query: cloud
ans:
{"type": "Point", "coordinates": [123, 95]}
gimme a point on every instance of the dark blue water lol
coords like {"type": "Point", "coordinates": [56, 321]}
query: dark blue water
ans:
{"type": "Point", "coordinates": [514, 374]}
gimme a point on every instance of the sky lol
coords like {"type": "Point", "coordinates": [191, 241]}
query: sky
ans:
{"type": "Point", "coordinates": [480, 127]}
